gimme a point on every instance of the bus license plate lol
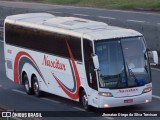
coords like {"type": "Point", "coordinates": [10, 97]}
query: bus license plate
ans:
{"type": "Point", "coordinates": [128, 101]}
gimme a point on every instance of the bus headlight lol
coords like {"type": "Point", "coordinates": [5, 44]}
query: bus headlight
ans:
{"type": "Point", "coordinates": [147, 90]}
{"type": "Point", "coordinates": [105, 94]}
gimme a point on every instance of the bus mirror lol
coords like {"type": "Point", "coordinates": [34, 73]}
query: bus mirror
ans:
{"type": "Point", "coordinates": [153, 55]}
{"type": "Point", "coordinates": [95, 61]}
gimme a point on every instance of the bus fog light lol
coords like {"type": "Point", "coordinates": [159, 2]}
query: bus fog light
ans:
{"type": "Point", "coordinates": [106, 105]}
{"type": "Point", "coordinates": [106, 94]}
{"type": "Point", "coordinates": [147, 90]}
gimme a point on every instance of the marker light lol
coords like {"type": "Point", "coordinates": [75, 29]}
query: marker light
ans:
{"type": "Point", "coordinates": [105, 94]}
{"type": "Point", "coordinates": [147, 90]}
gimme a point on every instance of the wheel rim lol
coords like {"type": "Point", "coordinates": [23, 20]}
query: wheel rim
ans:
{"type": "Point", "coordinates": [85, 101]}
{"type": "Point", "coordinates": [36, 87]}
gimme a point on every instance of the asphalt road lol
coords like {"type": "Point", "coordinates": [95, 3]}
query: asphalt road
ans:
{"type": "Point", "coordinates": [14, 97]}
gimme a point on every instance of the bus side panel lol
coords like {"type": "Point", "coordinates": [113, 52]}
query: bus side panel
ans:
{"type": "Point", "coordinates": [56, 75]}
{"type": "Point", "coordinates": [64, 83]}
{"type": "Point", "coordinates": [9, 55]}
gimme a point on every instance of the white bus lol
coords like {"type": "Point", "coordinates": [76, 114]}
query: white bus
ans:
{"type": "Point", "coordinates": [99, 65]}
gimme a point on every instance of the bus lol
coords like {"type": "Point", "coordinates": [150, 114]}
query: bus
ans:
{"type": "Point", "coordinates": [91, 62]}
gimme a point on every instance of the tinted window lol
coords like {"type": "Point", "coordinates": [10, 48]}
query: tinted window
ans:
{"type": "Point", "coordinates": [49, 42]}
{"type": "Point", "coordinates": [75, 45]}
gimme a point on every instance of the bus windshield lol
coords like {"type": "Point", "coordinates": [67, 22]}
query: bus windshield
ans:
{"type": "Point", "coordinates": [123, 63]}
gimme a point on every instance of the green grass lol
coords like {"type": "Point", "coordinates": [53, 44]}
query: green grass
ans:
{"type": "Point", "coordinates": [123, 4]}
{"type": "Point", "coordinates": [2, 118]}
{"type": "Point", "coordinates": [118, 4]}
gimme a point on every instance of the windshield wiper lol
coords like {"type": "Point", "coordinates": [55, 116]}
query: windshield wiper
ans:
{"type": "Point", "coordinates": [131, 73]}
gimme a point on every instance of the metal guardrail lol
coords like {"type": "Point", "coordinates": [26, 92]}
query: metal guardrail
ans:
{"type": "Point", "coordinates": [1, 32]}
{"type": "Point", "coordinates": [1, 22]}
{"type": "Point", "coordinates": [1, 28]}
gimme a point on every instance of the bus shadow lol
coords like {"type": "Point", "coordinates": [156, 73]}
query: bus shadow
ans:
{"type": "Point", "coordinates": [61, 99]}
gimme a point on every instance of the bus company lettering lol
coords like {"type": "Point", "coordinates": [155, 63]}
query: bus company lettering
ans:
{"type": "Point", "coordinates": [53, 64]}
{"type": "Point", "coordinates": [128, 90]}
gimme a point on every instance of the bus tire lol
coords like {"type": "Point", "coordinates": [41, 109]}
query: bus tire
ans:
{"type": "Point", "coordinates": [36, 89]}
{"type": "Point", "coordinates": [28, 90]}
{"type": "Point", "coordinates": [84, 101]}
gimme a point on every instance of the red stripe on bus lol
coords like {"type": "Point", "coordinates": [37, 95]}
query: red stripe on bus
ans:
{"type": "Point", "coordinates": [16, 64]}
{"type": "Point", "coordinates": [74, 95]}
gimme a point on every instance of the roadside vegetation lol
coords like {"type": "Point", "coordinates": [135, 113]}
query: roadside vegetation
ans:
{"type": "Point", "coordinates": [118, 4]}
{"type": "Point", "coordinates": [2, 118]}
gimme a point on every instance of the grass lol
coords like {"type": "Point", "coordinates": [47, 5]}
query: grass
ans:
{"type": "Point", "coordinates": [122, 4]}
{"type": "Point", "coordinates": [117, 4]}
{"type": "Point", "coordinates": [2, 118]}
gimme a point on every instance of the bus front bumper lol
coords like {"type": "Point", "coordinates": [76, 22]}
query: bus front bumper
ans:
{"type": "Point", "coordinates": [108, 102]}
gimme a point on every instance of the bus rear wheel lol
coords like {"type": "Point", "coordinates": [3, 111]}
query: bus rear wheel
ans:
{"type": "Point", "coordinates": [84, 101]}
{"type": "Point", "coordinates": [36, 89]}
{"type": "Point", "coordinates": [28, 90]}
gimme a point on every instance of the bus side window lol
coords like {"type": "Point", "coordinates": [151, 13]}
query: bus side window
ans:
{"type": "Point", "coordinates": [90, 73]}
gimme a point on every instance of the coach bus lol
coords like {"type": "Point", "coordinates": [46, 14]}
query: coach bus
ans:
{"type": "Point", "coordinates": [91, 62]}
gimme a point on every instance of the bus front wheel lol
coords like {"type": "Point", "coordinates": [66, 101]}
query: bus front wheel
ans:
{"type": "Point", "coordinates": [84, 101]}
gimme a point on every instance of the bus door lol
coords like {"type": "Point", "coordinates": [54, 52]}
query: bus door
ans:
{"type": "Point", "coordinates": [92, 89]}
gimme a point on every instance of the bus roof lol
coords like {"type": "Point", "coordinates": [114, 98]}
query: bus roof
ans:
{"type": "Point", "coordinates": [92, 30]}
